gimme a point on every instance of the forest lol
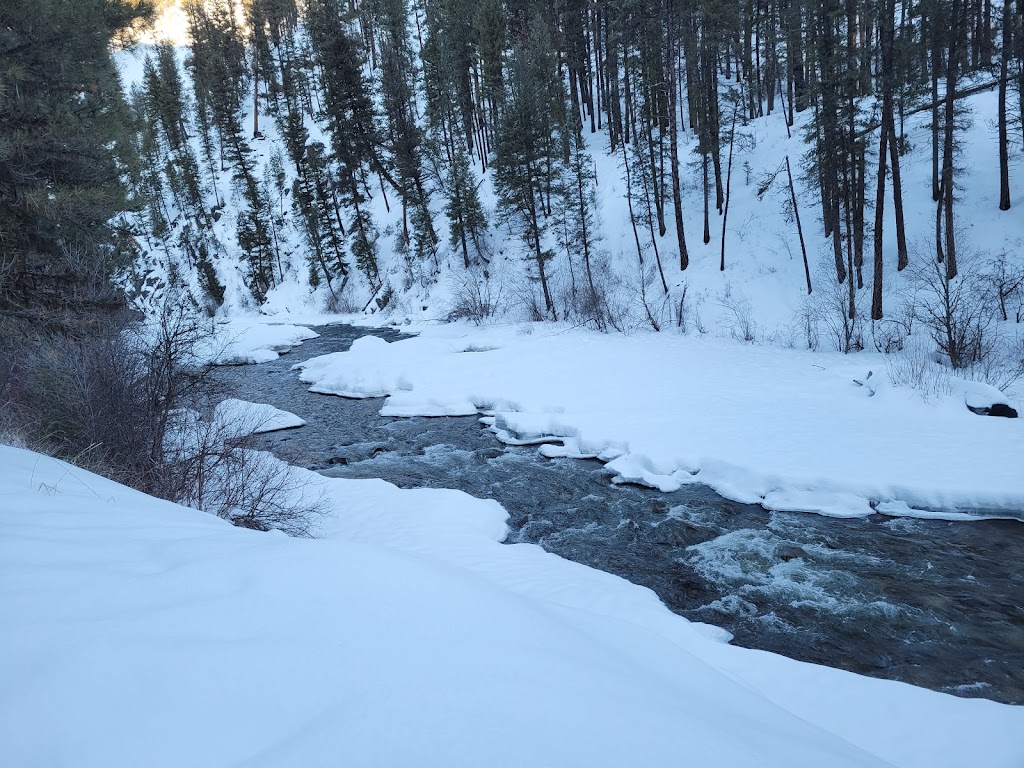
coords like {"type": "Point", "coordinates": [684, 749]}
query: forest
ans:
{"type": "Point", "coordinates": [374, 152]}
{"type": "Point", "coordinates": [415, 104]}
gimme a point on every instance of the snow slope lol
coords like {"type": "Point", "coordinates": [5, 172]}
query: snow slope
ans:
{"type": "Point", "coordinates": [763, 280]}
{"type": "Point", "coordinates": [786, 429]}
{"type": "Point", "coordinates": [137, 632]}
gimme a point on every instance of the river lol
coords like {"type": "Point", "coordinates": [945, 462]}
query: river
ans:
{"type": "Point", "coordinates": [934, 603]}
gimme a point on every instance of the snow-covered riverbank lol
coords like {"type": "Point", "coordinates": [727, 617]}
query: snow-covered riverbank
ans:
{"type": "Point", "coordinates": [786, 429]}
{"type": "Point", "coordinates": [142, 633]}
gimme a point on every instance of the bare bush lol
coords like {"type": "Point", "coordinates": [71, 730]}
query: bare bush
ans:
{"type": "Point", "coordinates": [117, 402]}
{"type": "Point", "coordinates": [830, 306]}
{"type": "Point", "coordinates": [475, 297]}
{"type": "Point", "coordinates": [915, 368]}
{"type": "Point", "coordinates": [636, 299]}
{"type": "Point", "coordinates": [341, 302]}
{"type": "Point", "coordinates": [1006, 281]}
{"type": "Point", "coordinates": [738, 317]}
{"type": "Point", "coordinates": [76, 398]}
{"type": "Point", "coordinates": [957, 312]}
{"type": "Point", "coordinates": [1001, 363]}
{"type": "Point", "coordinates": [891, 333]}
{"type": "Point", "coordinates": [807, 321]}
{"type": "Point", "coordinates": [212, 464]}
{"type": "Point", "coordinates": [592, 298]}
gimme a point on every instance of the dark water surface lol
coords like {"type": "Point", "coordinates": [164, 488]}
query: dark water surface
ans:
{"type": "Point", "coordinates": [934, 603]}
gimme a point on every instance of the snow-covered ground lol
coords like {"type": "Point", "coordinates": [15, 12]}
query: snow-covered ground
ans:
{"type": "Point", "coordinates": [244, 341]}
{"type": "Point", "coordinates": [248, 418]}
{"type": "Point", "coordinates": [786, 429]}
{"type": "Point", "coordinates": [136, 632]}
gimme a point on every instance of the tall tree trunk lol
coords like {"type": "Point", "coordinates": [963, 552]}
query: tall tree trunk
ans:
{"type": "Point", "coordinates": [677, 203]}
{"type": "Point", "coordinates": [799, 229]}
{"type": "Point", "coordinates": [952, 71]}
{"type": "Point", "coordinates": [1004, 73]}
{"type": "Point", "coordinates": [538, 252]}
{"type": "Point", "coordinates": [707, 203]}
{"type": "Point", "coordinates": [876, 288]}
{"type": "Point", "coordinates": [897, 196]}
{"type": "Point", "coordinates": [728, 179]}
{"type": "Point", "coordinates": [936, 63]}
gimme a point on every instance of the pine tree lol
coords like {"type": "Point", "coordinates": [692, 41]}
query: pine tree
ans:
{"type": "Point", "coordinates": [352, 123]}
{"type": "Point", "coordinates": [577, 211]}
{"type": "Point", "coordinates": [467, 224]}
{"type": "Point", "coordinates": [64, 134]}
{"type": "Point", "coordinates": [1004, 76]}
{"type": "Point", "coordinates": [528, 149]}
{"type": "Point", "coordinates": [398, 87]}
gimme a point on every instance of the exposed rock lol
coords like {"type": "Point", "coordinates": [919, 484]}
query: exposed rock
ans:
{"type": "Point", "coordinates": [789, 552]}
{"type": "Point", "coordinates": [996, 409]}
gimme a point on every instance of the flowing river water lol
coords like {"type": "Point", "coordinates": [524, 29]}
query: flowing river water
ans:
{"type": "Point", "coordinates": [934, 603]}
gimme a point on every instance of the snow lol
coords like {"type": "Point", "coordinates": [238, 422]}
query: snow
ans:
{"type": "Point", "coordinates": [786, 429]}
{"type": "Point", "coordinates": [902, 509]}
{"type": "Point", "coordinates": [242, 341]}
{"type": "Point", "coordinates": [763, 281]}
{"type": "Point", "coordinates": [250, 418]}
{"type": "Point", "coordinates": [137, 632]}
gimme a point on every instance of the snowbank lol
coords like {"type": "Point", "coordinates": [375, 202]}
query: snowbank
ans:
{"type": "Point", "coordinates": [781, 428]}
{"type": "Point", "coordinates": [243, 341]}
{"type": "Point", "coordinates": [137, 632]}
{"type": "Point", "coordinates": [248, 418]}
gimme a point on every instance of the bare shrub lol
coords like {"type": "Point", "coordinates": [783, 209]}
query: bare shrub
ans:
{"type": "Point", "coordinates": [962, 315]}
{"type": "Point", "coordinates": [830, 304]}
{"type": "Point", "coordinates": [636, 299]}
{"type": "Point", "coordinates": [738, 317]}
{"type": "Point", "coordinates": [341, 302]}
{"type": "Point", "coordinates": [916, 368]}
{"type": "Point", "coordinates": [212, 464]}
{"type": "Point", "coordinates": [81, 399]}
{"type": "Point", "coordinates": [475, 297]}
{"type": "Point", "coordinates": [888, 336]}
{"type": "Point", "coordinates": [122, 402]}
{"type": "Point", "coordinates": [1001, 363]}
{"type": "Point", "coordinates": [1005, 279]}
{"type": "Point", "coordinates": [807, 321]}
{"type": "Point", "coordinates": [891, 333]}
{"type": "Point", "coordinates": [525, 299]}
{"type": "Point", "coordinates": [957, 312]}
{"type": "Point", "coordinates": [593, 299]}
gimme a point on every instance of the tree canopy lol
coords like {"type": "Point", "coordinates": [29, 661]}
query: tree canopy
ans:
{"type": "Point", "coordinates": [63, 126]}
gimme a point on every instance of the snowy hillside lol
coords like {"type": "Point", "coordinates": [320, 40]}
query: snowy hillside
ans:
{"type": "Point", "coordinates": [137, 632]}
{"type": "Point", "coordinates": [760, 295]}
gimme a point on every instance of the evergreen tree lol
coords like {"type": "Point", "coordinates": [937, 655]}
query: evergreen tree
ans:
{"type": "Point", "coordinates": [352, 123]}
{"type": "Point", "coordinates": [528, 147]}
{"type": "Point", "coordinates": [219, 74]}
{"type": "Point", "coordinates": [398, 87]}
{"type": "Point", "coordinates": [577, 211]}
{"type": "Point", "coordinates": [64, 133]}
{"type": "Point", "coordinates": [466, 221]}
